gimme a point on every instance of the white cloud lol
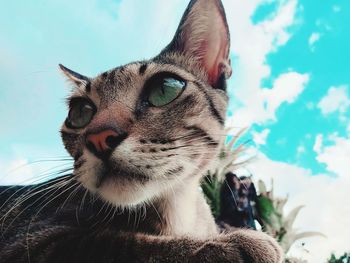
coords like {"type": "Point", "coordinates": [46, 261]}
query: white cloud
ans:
{"type": "Point", "coordinates": [325, 209]}
{"type": "Point", "coordinates": [250, 45]}
{"type": "Point", "coordinates": [260, 137]}
{"type": "Point", "coordinates": [318, 143]}
{"type": "Point", "coordinates": [15, 171]}
{"type": "Point", "coordinates": [314, 37]}
{"type": "Point", "coordinates": [336, 156]}
{"type": "Point", "coordinates": [21, 171]}
{"type": "Point", "coordinates": [324, 195]}
{"type": "Point", "coordinates": [336, 100]}
{"type": "Point", "coordinates": [276, 27]}
{"type": "Point", "coordinates": [26, 164]}
{"type": "Point", "coordinates": [264, 103]}
{"type": "Point", "coordinates": [286, 88]}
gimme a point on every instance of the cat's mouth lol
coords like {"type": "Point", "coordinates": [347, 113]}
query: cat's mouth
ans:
{"type": "Point", "coordinates": [121, 184]}
{"type": "Point", "coordinates": [123, 181]}
{"type": "Point", "coordinates": [119, 172]}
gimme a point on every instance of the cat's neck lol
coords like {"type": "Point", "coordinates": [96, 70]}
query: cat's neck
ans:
{"type": "Point", "coordinates": [180, 211]}
{"type": "Point", "coordinates": [184, 211]}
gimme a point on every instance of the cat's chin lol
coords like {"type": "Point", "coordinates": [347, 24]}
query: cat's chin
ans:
{"type": "Point", "coordinates": [126, 193]}
{"type": "Point", "coordinates": [120, 184]}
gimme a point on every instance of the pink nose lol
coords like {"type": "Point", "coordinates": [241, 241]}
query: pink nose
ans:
{"type": "Point", "coordinates": [103, 141]}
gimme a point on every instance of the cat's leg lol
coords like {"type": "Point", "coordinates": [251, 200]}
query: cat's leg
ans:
{"type": "Point", "coordinates": [65, 244]}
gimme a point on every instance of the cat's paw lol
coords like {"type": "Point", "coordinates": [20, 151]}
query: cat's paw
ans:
{"type": "Point", "coordinates": [255, 246]}
{"type": "Point", "coordinates": [240, 246]}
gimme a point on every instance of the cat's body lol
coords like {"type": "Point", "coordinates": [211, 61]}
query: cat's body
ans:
{"type": "Point", "coordinates": [141, 135]}
{"type": "Point", "coordinates": [80, 228]}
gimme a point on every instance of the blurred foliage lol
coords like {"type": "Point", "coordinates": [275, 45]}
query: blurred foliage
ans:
{"type": "Point", "coordinates": [226, 162]}
{"type": "Point", "coordinates": [275, 222]}
{"type": "Point", "coordinates": [211, 186]}
{"type": "Point", "coordinates": [342, 259]}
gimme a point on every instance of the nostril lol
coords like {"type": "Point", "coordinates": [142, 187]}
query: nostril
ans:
{"type": "Point", "coordinates": [114, 141]}
{"type": "Point", "coordinates": [111, 141]}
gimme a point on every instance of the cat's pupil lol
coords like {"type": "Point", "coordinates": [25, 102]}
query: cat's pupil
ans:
{"type": "Point", "coordinates": [165, 90]}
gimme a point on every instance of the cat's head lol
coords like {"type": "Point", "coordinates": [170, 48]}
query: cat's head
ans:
{"type": "Point", "coordinates": [145, 128]}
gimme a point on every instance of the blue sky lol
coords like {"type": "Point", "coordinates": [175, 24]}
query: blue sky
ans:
{"type": "Point", "coordinates": [290, 85]}
{"type": "Point", "coordinates": [327, 62]}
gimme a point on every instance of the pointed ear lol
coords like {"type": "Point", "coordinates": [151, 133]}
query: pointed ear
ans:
{"type": "Point", "coordinates": [75, 77]}
{"type": "Point", "coordinates": [203, 35]}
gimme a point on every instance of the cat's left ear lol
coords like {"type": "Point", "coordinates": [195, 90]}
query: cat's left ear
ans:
{"type": "Point", "coordinates": [203, 35]}
{"type": "Point", "coordinates": [75, 77]}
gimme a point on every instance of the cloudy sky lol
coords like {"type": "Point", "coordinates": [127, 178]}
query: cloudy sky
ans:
{"type": "Point", "coordinates": [290, 86]}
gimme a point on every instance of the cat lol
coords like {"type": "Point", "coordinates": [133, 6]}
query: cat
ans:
{"type": "Point", "coordinates": [141, 136]}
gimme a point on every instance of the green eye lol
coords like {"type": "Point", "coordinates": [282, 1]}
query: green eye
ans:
{"type": "Point", "coordinates": [164, 90]}
{"type": "Point", "coordinates": [80, 113]}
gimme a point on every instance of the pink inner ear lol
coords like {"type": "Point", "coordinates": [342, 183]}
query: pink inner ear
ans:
{"type": "Point", "coordinates": [215, 60]}
{"type": "Point", "coordinates": [216, 52]}
{"type": "Point", "coordinates": [203, 35]}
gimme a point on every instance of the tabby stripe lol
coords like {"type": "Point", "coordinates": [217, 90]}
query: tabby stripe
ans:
{"type": "Point", "coordinates": [77, 155]}
{"type": "Point", "coordinates": [121, 69]}
{"type": "Point", "coordinates": [212, 108]}
{"type": "Point", "coordinates": [203, 135]}
{"type": "Point", "coordinates": [173, 148]}
{"type": "Point", "coordinates": [110, 78]}
{"type": "Point", "coordinates": [104, 75]}
{"type": "Point", "coordinates": [142, 69]}
{"type": "Point", "coordinates": [69, 136]}
{"type": "Point", "coordinates": [88, 87]}
{"type": "Point", "coordinates": [79, 163]}
{"type": "Point", "coordinates": [158, 141]}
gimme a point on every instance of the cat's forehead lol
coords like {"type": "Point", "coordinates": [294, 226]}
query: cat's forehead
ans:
{"type": "Point", "coordinates": [142, 69]}
{"type": "Point", "coordinates": [130, 78]}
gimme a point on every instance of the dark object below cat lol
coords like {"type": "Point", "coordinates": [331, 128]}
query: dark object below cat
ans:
{"type": "Point", "coordinates": [142, 136]}
{"type": "Point", "coordinates": [39, 225]}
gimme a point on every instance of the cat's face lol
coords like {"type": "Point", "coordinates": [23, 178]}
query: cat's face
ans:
{"type": "Point", "coordinates": [146, 128]}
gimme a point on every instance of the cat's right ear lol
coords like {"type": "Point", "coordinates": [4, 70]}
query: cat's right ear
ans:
{"type": "Point", "coordinates": [203, 36]}
{"type": "Point", "coordinates": [74, 77]}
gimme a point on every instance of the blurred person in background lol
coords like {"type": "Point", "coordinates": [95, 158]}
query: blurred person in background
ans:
{"type": "Point", "coordinates": [237, 197]}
